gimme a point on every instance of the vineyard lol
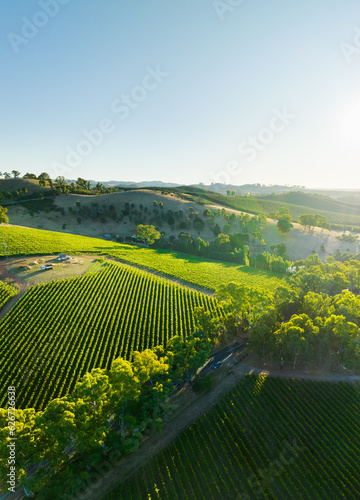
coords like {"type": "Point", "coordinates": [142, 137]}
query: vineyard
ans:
{"type": "Point", "coordinates": [268, 438]}
{"type": "Point", "coordinates": [6, 292]}
{"type": "Point", "coordinates": [61, 330]}
{"type": "Point", "coordinates": [195, 270]}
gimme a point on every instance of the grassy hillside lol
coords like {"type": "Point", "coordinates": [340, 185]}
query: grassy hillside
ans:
{"type": "Point", "coordinates": [208, 274]}
{"type": "Point", "coordinates": [315, 202]}
{"type": "Point", "coordinates": [269, 438]}
{"type": "Point", "coordinates": [16, 184]}
{"type": "Point", "coordinates": [339, 214]}
{"type": "Point", "coordinates": [257, 205]}
{"type": "Point", "coordinates": [351, 199]}
{"type": "Point", "coordinates": [59, 331]}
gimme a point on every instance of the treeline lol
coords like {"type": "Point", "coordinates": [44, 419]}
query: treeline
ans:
{"type": "Point", "coordinates": [56, 187]}
{"type": "Point", "coordinates": [310, 221]}
{"type": "Point", "coordinates": [106, 416]}
{"type": "Point", "coordinates": [315, 321]}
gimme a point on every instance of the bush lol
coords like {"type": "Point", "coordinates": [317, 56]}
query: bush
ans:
{"type": "Point", "coordinates": [203, 384]}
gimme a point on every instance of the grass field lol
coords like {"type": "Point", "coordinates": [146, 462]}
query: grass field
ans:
{"type": "Point", "coordinates": [208, 274]}
{"type": "Point", "coordinates": [59, 331]}
{"type": "Point", "coordinates": [269, 438]}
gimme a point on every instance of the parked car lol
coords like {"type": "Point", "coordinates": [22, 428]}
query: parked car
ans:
{"type": "Point", "coordinates": [216, 365]}
{"type": "Point", "coordinates": [63, 257]}
{"type": "Point", "coordinates": [47, 267]}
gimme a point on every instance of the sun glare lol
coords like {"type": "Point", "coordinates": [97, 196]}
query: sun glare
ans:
{"type": "Point", "coordinates": [349, 122]}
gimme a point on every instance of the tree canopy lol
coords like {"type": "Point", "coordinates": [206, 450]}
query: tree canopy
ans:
{"type": "Point", "coordinates": [147, 233]}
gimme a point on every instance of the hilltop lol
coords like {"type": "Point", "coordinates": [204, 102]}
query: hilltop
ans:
{"type": "Point", "coordinates": [64, 215]}
{"type": "Point", "coordinates": [32, 185]}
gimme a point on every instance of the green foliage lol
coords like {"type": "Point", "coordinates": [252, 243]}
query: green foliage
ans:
{"type": "Point", "coordinates": [349, 238]}
{"type": "Point", "coordinates": [311, 220]}
{"type": "Point", "coordinates": [260, 442]}
{"type": "Point", "coordinates": [242, 305]}
{"type": "Point", "coordinates": [60, 330]}
{"type": "Point", "coordinates": [6, 292]}
{"type": "Point", "coordinates": [147, 233]}
{"type": "Point", "coordinates": [187, 354]}
{"type": "Point", "coordinates": [322, 318]}
{"type": "Point", "coordinates": [4, 219]}
{"type": "Point", "coordinates": [208, 274]}
{"type": "Point", "coordinates": [203, 384]}
{"type": "Point", "coordinates": [284, 220]}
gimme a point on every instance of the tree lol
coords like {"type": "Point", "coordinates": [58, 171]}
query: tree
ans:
{"type": "Point", "coordinates": [187, 354]}
{"type": "Point", "coordinates": [147, 233]}
{"type": "Point", "coordinates": [284, 224]}
{"type": "Point", "coordinates": [243, 304]}
{"type": "Point", "coordinates": [311, 220]}
{"type": "Point", "coordinates": [185, 241]}
{"type": "Point", "coordinates": [198, 224]}
{"type": "Point", "coordinates": [201, 246]}
{"type": "Point", "coordinates": [60, 180]}
{"type": "Point", "coordinates": [4, 219]}
{"type": "Point", "coordinates": [7, 175]}
{"type": "Point", "coordinates": [281, 249]}
{"type": "Point", "coordinates": [27, 433]}
{"type": "Point", "coordinates": [216, 230]}
{"type": "Point", "coordinates": [15, 173]}
{"type": "Point", "coordinates": [171, 220]}
{"type": "Point", "coordinates": [29, 176]}
{"type": "Point", "coordinates": [44, 176]}
{"type": "Point", "coordinates": [222, 243]}
{"type": "Point", "coordinates": [94, 389]}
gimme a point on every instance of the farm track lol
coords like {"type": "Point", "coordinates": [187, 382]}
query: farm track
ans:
{"type": "Point", "coordinates": [152, 445]}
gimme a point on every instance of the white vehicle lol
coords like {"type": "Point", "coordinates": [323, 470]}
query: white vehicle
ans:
{"type": "Point", "coordinates": [47, 267]}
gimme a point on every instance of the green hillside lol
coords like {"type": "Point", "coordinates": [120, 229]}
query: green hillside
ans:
{"type": "Point", "coordinates": [255, 205]}
{"type": "Point", "coordinates": [205, 273]}
{"type": "Point", "coordinates": [16, 184]}
{"type": "Point", "coordinates": [315, 202]}
{"type": "Point", "coordinates": [337, 213]}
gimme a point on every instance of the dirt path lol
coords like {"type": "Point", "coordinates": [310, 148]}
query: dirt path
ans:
{"type": "Point", "coordinates": [231, 376]}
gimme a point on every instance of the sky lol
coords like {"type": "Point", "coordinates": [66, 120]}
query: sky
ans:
{"type": "Point", "coordinates": [184, 91]}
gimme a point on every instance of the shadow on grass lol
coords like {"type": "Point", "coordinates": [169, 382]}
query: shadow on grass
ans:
{"type": "Point", "coordinates": [188, 259]}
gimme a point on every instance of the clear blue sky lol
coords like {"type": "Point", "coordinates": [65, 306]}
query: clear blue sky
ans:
{"type": "Point", "coordinates": [184, 91]}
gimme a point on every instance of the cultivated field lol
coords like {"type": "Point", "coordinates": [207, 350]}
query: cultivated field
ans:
{"type": "Point", "coordinates": [201, 272]}
{"type": "Point", "coordinates": [59, 331]}
{"type": "Point", "coordinates": [6, 292]}
{"type": "Point", "coordinates": [269, 438]}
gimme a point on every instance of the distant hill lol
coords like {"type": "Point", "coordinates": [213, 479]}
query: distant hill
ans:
{"type": "Point", "coordinates": [262, 189]}
{"type": "Point", "coordinates": [141, 184]}
{"type": "Point", "coordinates": [31, 185]}
{"type": "Point", "coordinates": [244, 189]}
{"type": "Point", "coordinates": [351, 199]}
{"type": "Point", "coordinates": [315, 202]}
